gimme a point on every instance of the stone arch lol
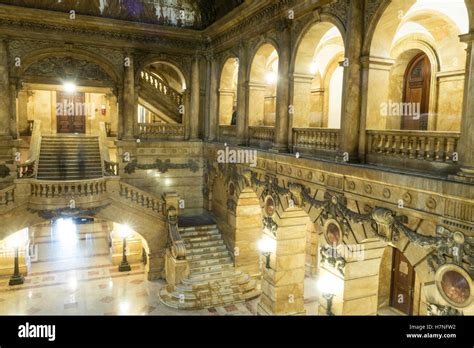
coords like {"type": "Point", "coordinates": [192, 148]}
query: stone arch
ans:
{"type": "Point", "coordinates": [177, 65]}
{"type": "Point", "coordinates": [423, 25]}
{"type": "Point", "coordinates": [152, 230]}
{"type": "Point", "coordinates": [317, 46]}
{"type": "Point", "coordinates": [262, 76]}
{"type": "Point", "coordinates": [228, 82]}
{"type": "Point", "coordinates": [37, 56]}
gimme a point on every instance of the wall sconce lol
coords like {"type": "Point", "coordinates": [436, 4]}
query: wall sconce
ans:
{"type": "Point", "coordinates": [267, 246]}
{"type": "Point", "coordinates": [329, 287]}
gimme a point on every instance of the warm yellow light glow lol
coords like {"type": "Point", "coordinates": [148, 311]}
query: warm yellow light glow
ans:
{"type": "Point", "coordinates": [124, 307]}
{"type": "Point", "coordinates": [17, 239]}
{"type": "Point", "coordinates": [271, 77]}
{"type": "Point", "coordinates": [267, 244]}
{"type": "Point", "coordinates": [69, 87]}
{"type": "Point", "coordinates": [328, 284]}
{"type": "Point", "coordinates": [125, 231]}
{"type": "Point", "coordinates": [66, 231]}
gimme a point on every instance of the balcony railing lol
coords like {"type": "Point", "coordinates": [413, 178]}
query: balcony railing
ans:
{"type": "Point", "coordinates": [323, 141]}
{"type": "Point", "coordinates": [161, 131]}
{"type": "Point", "coordinates": [61, 189]}
{"type": "Point", "coordinates": [261, 136]}
{"type": "Point", "coordinates": [7, 195]}
{"type": "Point", "coordinates": [402, 147]}
{"type": "Point", "coordinates": [227, 133]}
{"type": "Point", "coordinates": [142, 198]}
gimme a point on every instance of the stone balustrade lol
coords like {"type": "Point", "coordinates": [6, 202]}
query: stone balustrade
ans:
{"type": "Point", "coordinates": [7, 195]}
{"type": "Point", "coordinates": [316, 140]}
{"type": "Point", "coordinates": [431, 146]}
{"type": "Point", "coordinates": [265, 133]}
{"type": "Point", "coordinates": [158, 85]}
{"type": "Point", "coordinates": [142, 198]}
{"type": "Point", "coordinates": [227, 133]}
{"type": "Point", "coordinates": [26, 170]}
{"type": "Point", "coordinates": [60, 189]}
{"type": "Point", "coordinates": [161, 131]}
{"type": "Point", "coordinates": [111, 168]}
{"type": "Point", "coordinates": [412, 146]}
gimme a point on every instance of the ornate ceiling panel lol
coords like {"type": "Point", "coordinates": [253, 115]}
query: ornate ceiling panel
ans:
{"type": "Point", "coordinates": [195, 14]}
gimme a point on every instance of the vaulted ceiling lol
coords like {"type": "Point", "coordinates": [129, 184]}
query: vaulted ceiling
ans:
{"type": "Point", "coordinates": [195, 14]}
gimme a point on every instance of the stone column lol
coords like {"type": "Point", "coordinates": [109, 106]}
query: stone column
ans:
{"type": "Point", "coordinates": [280, 142]}
{"type": "Point", "coordinates": [113, 110]}
{"type": "Point", "coordinates": [4, 91]}
{"type": "Point", "coordinates": [283, 282]}
{"type": "Point", "coordinates": [351, 100]}
{"type": "Point", "coordinates": [195, 98]}
{"type": "Point", "coordinates": [213, 102]}
{"type": "Point", "coordinates": [242, 96]}
{"type": "Point", "coordinates": [466, 142]}
{"type": "Point", "coordinates": [23, 112]}
{"type": "Point", "coordinates": [129, 98]}
{"type": "Point", "coordinates": [13, 111]}
{"type": "Point", "coordinates": [120, 113]}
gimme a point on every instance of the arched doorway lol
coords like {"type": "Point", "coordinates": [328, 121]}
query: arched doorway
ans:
{"type": "Point", "coordinates": [416, 95]}
{"type": "Point", "coordinates": [228, 93]}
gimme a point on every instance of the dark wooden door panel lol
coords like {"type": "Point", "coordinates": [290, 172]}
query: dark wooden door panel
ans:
{"type": "Point", "coordinates": [70, 112]}
{"type": "Point", "coordinates": [403, 283]}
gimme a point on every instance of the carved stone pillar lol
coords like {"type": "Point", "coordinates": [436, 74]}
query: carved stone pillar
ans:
{"type": "Point", "coordinates": [280, 142]}
{"type": "Point", "coordinates": [4, 91]}
{"type": "Point", "coordinates": [351, 100]}
{"type": "Point", "coordinates": [129, 98]}
{"type": "Point", "coordinates": [242, 96]}
{"type": "Point", "coordinates": [13, 108]}
{"type": "Point", "coordinates": [213, 102]}
{"type": "Point", "coordinates": [195, 98]}
{"type": "Point", "coordinates": [120, 113]}
{"type": "Point", "coordinates": [23, 112]}
{"type": "Point", "coordinates": [466, 142]}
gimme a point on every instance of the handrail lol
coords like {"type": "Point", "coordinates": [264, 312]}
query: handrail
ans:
{"type": "Point", "coordinates": [163, 88]}
{"type": "Point", "coordinates": [7, 195]}
{"type": "Point", "coordinates": [29, 168]}
{"type": "Point", "coordinates": [316, 138]}
{"type": "Point", "coordinates": [109, 168]}
{"type": "Point", "coordinates": [161, 130]}
{"type": "Point", "coordinates": [178, 248]}
{"type": "Point", "coordinates": [140, 197]}
{"type": "Point", "coordinates": [58, 189]}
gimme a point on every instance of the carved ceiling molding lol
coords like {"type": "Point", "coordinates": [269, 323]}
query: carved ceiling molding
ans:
{"type": "Point", "coordinates": [371, 7]}
{"type": "Point", "coordinates": [339, 9]}
{"type": "Point", "coordinates": [159, 40]}
{"type": "Point", "coordinates": [21, 48]}
{"type": "Point", "coordinates": [67, 67]}
{"type": "Point", "coordinates": [268, 12]}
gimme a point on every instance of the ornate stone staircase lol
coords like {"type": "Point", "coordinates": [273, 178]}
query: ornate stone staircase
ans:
{"type": "Point", "coordinates": [213, 280]}
{"type": "Point", "coordinates": [69, 158]}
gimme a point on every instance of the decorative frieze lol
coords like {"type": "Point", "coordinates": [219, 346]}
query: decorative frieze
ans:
{"type": "Point", "coordinates": [161, 166]}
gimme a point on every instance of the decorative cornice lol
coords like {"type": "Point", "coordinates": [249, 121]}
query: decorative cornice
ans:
{"type": "Point", "coordinates": [161, 166]}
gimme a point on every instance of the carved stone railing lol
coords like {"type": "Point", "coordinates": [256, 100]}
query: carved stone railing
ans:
{"type": "Point", "coordinates": [7, 195]}
{"type": "Point", "coordinates": [227, 133]}
{"type": "Point", "coordinates": [29, 168]}
{"type": "Point", "coordinates": [315, 140]}
{"type": "Point", "coordinates": [142, 198]}
{"type": "Point", "coordinates": [261, 135]}
{"type": "Point", "coordinates": [60, 189]}
{"type": "Point", "coordinates": [161, 87]}
{"type": "Point", "coordinates": [161, 131]}
{"type": "Point", "coordinates": [402, 147]}
{"type": "Point", "coordinates": [30, 127]}
{"type": "Point", "coordinates": [111, 168]}
{"type": "Point", "coordinates": [178, 248]}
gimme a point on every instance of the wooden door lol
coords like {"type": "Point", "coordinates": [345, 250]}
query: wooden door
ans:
{"type": "Point", "coordinates": [416, 93]}
{"type": "Point", "coordinates": [403, 283]}
{"type": "Point", "coordinates": [71, 112]}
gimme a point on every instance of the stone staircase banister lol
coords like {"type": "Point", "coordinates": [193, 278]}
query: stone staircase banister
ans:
{"type": "Point", "coordinates": [163, 88]}
{"type": "Point", "coordinates": [7, 195]}
{"type": "Point", "coordinates": [29, 168]}
{"type": "Point", "coordinates": [161, 130]}
{"type": "Point", "coordinates": [109, 168]}
{"type": "Point", "coordinates": [141, 198]}
{"type": "Point", "coordinates": [178, 248]}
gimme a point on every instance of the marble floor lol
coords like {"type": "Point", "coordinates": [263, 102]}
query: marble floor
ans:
{"type": "Point", "coordinates": [74, 275]}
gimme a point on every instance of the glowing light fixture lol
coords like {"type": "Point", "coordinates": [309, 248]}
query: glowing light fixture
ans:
{"type": "Point", "coordinates": [329, 287]}
{"type": "Point", "coordinates": [125, 232]}
{"type": "Point", "coordinates": [313, 68]}
{"type": "Point", "coordinates": [69, 87]}
{"type": "Point", "coordinates": [271, 77]}
{"type": "Point", "coordinates": [267, 246]}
